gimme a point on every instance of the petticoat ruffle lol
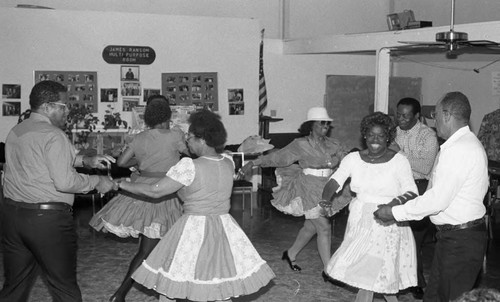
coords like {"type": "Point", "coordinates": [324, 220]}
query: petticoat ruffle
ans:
{"type": "Point", "coordinates": [126, 216]}
{"type": "Point", "coordinates": [204, 258]}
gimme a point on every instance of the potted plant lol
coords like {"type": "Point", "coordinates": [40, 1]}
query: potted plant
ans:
{"type": "Point", "coordinates": [112, 120]}
{"type": "Point", "coordinates": [80, 118]}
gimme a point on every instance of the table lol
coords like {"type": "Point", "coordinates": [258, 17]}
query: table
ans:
{"type": "Point", "coordinates": [264, 121]}
{"type": "Point", "coordinates": [109, 142]}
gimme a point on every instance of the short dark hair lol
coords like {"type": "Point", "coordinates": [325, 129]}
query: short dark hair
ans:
{"type": "Point", "coordinates": [306, 128]}
{"type": "Point", "coordinates": [379, 119]}
{"type": "Point", "coordinates": [457, 104]}
{"type": "Point", "coordinates": [45, 92]}
{"type": "Point", "coordinates": [415, 105]}
{"type": "Point", "coordinates": [157, 111]}
{"type": "Point", "coordinates": [208, 126]}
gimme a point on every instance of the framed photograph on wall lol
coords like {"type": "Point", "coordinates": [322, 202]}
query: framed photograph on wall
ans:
{"type": "Point", "coordinates": [11, 91]}
{"type": "Point", "coordinates": [235, 101]}
{"type": "Point", "coordinates": [11, 108]}
{"type": "Point", "coordinates": [109, 95]}
{"type": "Point", "coordinates": [150, 92]}
{"type": "Point", "coordinates": [130, 73]}
{"type": "Point", "coordinates": [131, 89]}
{"type": "Point", "coordinates": [81, 86]}
{"type": "Point", "coordinates": [192, 88]}
{"type": "Point", "coordinates": [128, 104]}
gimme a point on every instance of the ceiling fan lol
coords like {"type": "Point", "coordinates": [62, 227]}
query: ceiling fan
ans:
{"type": "Point", "coordinates": [451, 42]}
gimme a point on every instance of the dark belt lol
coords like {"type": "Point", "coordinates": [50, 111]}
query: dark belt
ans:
{"type": "Point", "coordinates": [418, 181]}
{"type": "Point", "coordinates": [54, 206]}
{"type": "Point", "coordinates": [454, 227]}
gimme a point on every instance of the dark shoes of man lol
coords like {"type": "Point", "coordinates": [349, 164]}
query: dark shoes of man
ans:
{"type": "Point", "coordinates": [417, 292]}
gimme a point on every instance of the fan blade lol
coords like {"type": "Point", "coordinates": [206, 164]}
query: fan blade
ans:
{"type": "Point", "coordinates": [421, 42]}
{"type": "Point", "coordinates": [422, 46]}
{"type": "Point", "coordinates": [481, 43]}
{"type": "Point", "coordinates": [475, 49]}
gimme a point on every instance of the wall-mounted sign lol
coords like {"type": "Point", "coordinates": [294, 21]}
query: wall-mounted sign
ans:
{"type": "Point", "coordinates": [121, 54]}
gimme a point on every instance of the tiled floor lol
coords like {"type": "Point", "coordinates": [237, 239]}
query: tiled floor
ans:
{"type": "Point", "coordinates": [103, 259]}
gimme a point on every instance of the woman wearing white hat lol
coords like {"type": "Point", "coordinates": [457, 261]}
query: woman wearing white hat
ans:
{"type": "Point", "coordinates": [300, 185]}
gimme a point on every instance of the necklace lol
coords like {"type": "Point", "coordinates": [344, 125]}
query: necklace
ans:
{"type": "Point", "coordinates": [373, 158]}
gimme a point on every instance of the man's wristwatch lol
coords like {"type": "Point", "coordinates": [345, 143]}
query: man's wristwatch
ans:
{"type": "Point", "coordinates": [116, 184]}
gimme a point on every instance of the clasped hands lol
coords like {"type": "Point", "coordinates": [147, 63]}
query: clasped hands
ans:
{"type": "Point", "coordinates": [327, 207]}
{"type": "Point", "coordinates": [102, 162]}
{"type": "Point", "coordinates": [384, 214]}
{"type": "Point", "coordinates": [247, 168]}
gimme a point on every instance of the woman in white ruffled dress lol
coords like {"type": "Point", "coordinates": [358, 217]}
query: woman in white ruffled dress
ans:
{"type": "Point", "coordinates": [374, 257]}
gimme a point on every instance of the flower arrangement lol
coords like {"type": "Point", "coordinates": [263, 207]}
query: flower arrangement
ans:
{"type": "Point", "coordinates": [80, 117]}
{"type": "Point", "coordinates": [112, 120]}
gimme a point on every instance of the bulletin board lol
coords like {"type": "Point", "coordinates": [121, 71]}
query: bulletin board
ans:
{"type": "Point", "coordinates": [350, 98]}
{"type": "Point", "coordinates": [81, 86]}
{"type": "Point", "coordinates": [186, 89]}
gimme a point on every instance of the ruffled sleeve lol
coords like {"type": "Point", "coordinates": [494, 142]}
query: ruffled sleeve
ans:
{"type": "Point", "coordinates": [183, 172]}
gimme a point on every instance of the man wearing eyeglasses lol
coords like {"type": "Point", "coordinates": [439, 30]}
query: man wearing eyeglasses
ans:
{"type": "Point", "coordinates": [39, 187]}
{"type": "Point", "coordinates": [453, 201]}
{"type": "Point", "coordinates": [418, 142]}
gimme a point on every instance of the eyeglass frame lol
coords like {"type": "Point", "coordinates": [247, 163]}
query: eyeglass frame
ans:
{"type": "Point", "coordinates": [325, 123]}
{"type": "Point", "coordinates": [189, 136]}
{"type": "Point", "coordinates": [433, 113]}
{"type": "Point", "coordinates": [60, 104]}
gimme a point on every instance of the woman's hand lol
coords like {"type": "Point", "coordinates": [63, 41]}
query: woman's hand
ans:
{"type": "Point", "coordinates": [245, 170]}
{"type": "Point", "coordinates": [327, 208]}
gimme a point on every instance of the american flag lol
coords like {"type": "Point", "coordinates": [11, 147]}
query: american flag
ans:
{"type": "Point", "coordinates": [262, 80]}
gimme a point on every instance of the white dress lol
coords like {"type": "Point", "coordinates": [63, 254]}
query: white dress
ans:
{"type": "Point", "coordinates": [375, 257]}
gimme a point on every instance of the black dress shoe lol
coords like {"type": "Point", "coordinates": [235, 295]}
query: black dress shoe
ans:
{"type": "Point", "coordinates": [327, 278]}
{"type": "Point", "coordinates": [417, 292]}
{"type": "Point", "coordinates": [291, 263]}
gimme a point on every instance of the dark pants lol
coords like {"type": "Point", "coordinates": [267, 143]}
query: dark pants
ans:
{"type": "Point", "coordinates": [458, 258]}
{"type": "Point", "coordinates": [422, 229]}
{"type": "Point", "coordinates": [35, 240]}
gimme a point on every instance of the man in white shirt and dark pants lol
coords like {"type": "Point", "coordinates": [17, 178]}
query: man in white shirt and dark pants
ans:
{"type": "Point", "coordinates": [418, 142]}
{"type": "Point", "coordinates": [454, 203]}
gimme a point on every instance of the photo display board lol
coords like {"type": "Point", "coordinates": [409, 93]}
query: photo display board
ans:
{"type": "Point", "coordinates": [198, 89]}
{"type": "Point", "coordinates": [81, 86]}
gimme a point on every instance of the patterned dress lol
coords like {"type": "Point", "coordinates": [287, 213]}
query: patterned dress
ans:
{"type": "Point", "coordinates": [130, 215]}
{"type": "Point", "coordinates": [373, 256]}
{"type": "Point", "coordinates": [299, 193]}
{"type": "Point", "coordinates": [205, 256]}
{"type": "Point", "coordinates": [489, 135]}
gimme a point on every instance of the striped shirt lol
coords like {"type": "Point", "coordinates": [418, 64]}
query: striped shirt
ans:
{"type": "Point", "coordinates": [420, 146]}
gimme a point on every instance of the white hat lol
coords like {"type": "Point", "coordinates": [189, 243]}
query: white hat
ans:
{"type": "Point", "coordinates": [318, 114]}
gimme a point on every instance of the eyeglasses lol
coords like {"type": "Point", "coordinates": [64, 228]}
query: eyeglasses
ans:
{"type": "Point", "coordinates": [433, 114]}
{"type": "Point", "coordinates": [60, 104]}
{"type": "Point", "coordinates": [325, 123]}
{"type": "Point", "coordinates": [188, 136]}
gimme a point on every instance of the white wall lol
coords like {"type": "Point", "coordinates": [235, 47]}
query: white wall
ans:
{"type": "Point", "coordinates": [327, 17]}
{"type": "Point", "coordinates": [441, 77]}
{"type": "Point", "coordinates": [74, 41]}
{"type": "Point", "coordinates": [297, 82]}
{"type": "Point", "coordinates": [295, 19]}
{"type": "Point", "coordinates": [439, 11]}
{"type": "Point", "coordinates": [230, 46]}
